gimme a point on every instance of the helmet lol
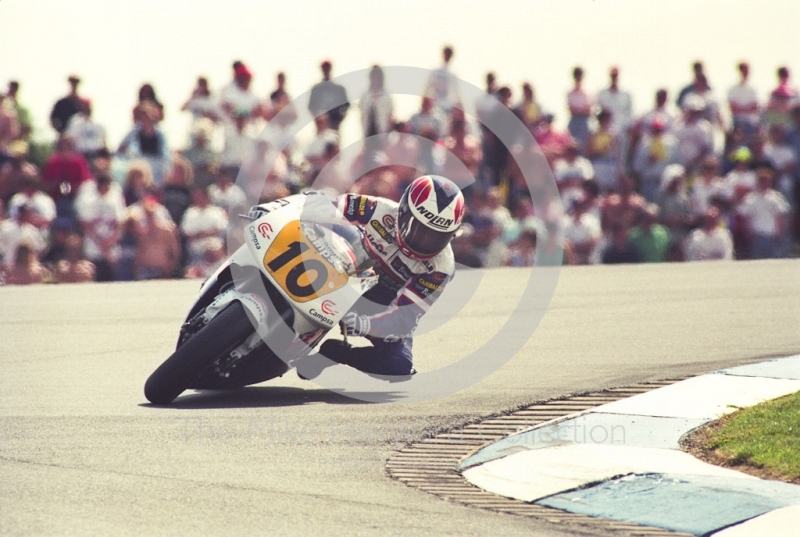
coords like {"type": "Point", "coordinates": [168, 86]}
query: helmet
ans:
{"type": "Point", "coordinates": [430, 213]}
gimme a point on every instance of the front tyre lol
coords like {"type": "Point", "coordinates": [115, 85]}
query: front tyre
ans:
{"type": "Point", "coordinates": [229, 329]}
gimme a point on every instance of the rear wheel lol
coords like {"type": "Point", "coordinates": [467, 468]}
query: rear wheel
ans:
{"type": "Point", "coordinates": [221, 335]}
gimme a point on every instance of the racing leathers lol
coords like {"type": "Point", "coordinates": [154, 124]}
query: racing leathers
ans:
{"type": "Point", "coordinates": [387, 314]}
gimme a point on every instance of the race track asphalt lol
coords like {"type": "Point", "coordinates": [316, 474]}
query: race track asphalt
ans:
{"type": "Point", "coordinates": [81, 451]}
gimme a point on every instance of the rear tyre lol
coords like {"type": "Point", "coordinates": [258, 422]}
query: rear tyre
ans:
{"type": "Point", "coordinates": [229, 329]}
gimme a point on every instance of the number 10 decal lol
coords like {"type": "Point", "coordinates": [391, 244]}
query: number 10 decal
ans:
{"type": "Point", "coordinates": [298, 268]}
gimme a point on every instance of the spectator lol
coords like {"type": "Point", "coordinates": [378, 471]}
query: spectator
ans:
{"type": "Point", "coordinates": [494, 168]}
{"type": "Point", "coordinates": [582, 232]}
{"type": "Point", "coordinates": [74, 268]}
{"type": "Point", "coordinates": [741, 179]}
{"type": "Point", "coordinates": [711, 109]}
{"type": "Point", "coordinates": [781, 100]}
{"type": "Point", "coordinates": [238, 144]}
{"type": "Point", "coordinates": [239, 105]}
{"type": "Point", "coordinates": [698, 71]}
{"type": "Point", "coordinates": [318, 150]}
{"type": "Point", "coordinates": [488, 245]}
{"type": "Point", "coordinates": [101, 215]}
{"type": "Point", "coordinates": [204, 160]}
{"type": "Point", "coordinates": [147, 94]}
{"type": "Point", "coordinates": [177, 195]}
{"type": "Point", "coordinates": [623, 206]}
{"type": "Point", "coordinates": [264, 173]}
{"type": "Point", "coordinates": [580, 104]}
{"type": "Point", "coordinates": [604, 152]}
{"type": "Point", "coordinates": [402, 153]}
{"type": "Point", "coordinates": [157, 251]}
{"type": "Point", "coordinates": [617, 102]}
{"type": "Point", "coordinates": [528, 110]}
{"type": "Point", "coordinates": [201, 104]}
{"type": "Point", "coordinates": [43, 209]}
{"type": "Point", "coordinates": [18, 231]}
{"type": "Point", "coordinates": [781, 155]}
{"type": "Point", "coordinates": [66, 107]}
{"type": "Point", "coordinates": [765, 212]}
{"type": "Point", "coordinates": [138, 182]}
{"type": "Point", "coordinates": [619, 249]}
{"type": "Point", "coordinates": [707, 189]}
{"type": "Point", "coordinates": [147, 141]}
{"type": "Point", "coordinates": [203, 225]}
{"type": "Point", "coordinates": [486, 102]}
{"type": "Point", "coordinates": [89, 136]}
{"type": "Point", "coordinates": [280, 103]}
{"type": "Point", "coordinates": [25, 268]}
{"type": "Point", "coordinates": [673, 203]}
{"type": "Point", "coordinates": [650, 238]}
{"type": "Point", "coordinates": [9, 130]}
{"type": "Point", "coordinates": [60, 231]}
{"type": "Point", "coordinates": [652, 156]}
{"type": "Point", "coordinates": [660, 112]}
{"type": "Point", "coordinates": [227, 195]}
{"type": "Point", "coordinates": [328, 97]}
{"type": "Point", "coordinates": [553, 142]}
{"type": "Point", "coordinates": [694, 135]}
{"type": "Point", "coordinates": [464, 152]}
{"type": "Point", "coordinates": [63, 174]}
{"type": "Point", "coordinates": [128, 247]}
{"type": "Point", "coordinates": [377, 110]}
{"type": "Point", "coordinates": [443, 85]}
{"type": "Point", "coordinates": [570, 172]}
{"type": "Point", "coordinates": [711, 241]}
{"type": "Point", "coordinates": [523, 252]}
{"type": "Point", "coordinates": [23, 114]}
{"type": "Point", "coordinates": [429, 122]}
{"type": "Point", "coordinates": [743, 102]}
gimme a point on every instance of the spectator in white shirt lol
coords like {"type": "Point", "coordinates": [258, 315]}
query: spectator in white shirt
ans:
{"type": "Point", "coordinates": [765, 211]}
{"type": "Point", "coordinates": [616, 101]}
{"type": "Point", "coordinates": [694, 134]}
{"type": "Point", "coordinates": [711, 241]}
{"type": "Point", "coordinates": [570, 172]}
{"type": "Point", "coordinates": [89, 136]}
{"type": "Point", "coordinates": [43, 208]}
{"type": "Point", "coordinates": [707, 187]}
{"type": "Point", "coordinates": [203, 225]}
{"type": "Point", "coordinates": [101, 214]}
{"type": "Point", "coordinates": [743, 102]}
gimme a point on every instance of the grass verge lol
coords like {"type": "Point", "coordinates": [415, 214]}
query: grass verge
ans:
{"type": "Point", "coordinates": [762, 440]}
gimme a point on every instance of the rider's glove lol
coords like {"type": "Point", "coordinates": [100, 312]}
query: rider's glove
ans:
{"type": "Point", "coordinates": [356, 325]}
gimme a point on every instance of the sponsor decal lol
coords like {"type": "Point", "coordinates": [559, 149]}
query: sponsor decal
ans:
{"type": "Point", "coordinates": [375, 244]}
{"type": "Point", "coordinates": [264, 228]}
{"type": "Point", "coordinates": [434, 219]}
{"type": "Point", "coordinates": [328, 306]}
{"type": "Point", "coordinates": [388, 221]}
{"type": "Point", "coordinates": [351, 205]}
{"type": "Point", "coordinates": [317, 315]}
{"type": "Point", "coordinates": [422, 282]}
{"type": "Point", "coordinates": [253, 237]}
{"type": "Point", "coordinates": [362, 206]}
{"type": "Point", "coordinates": [382, 231]}
{"type": "Point", "coordinates": [401, 268]}
{"type": "Point", "coordinates": [438, 277]}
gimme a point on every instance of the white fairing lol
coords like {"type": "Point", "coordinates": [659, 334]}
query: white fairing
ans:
{"type": "Point", "coordinates": [323, 255]}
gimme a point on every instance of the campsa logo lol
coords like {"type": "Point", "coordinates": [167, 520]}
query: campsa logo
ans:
{"type": "Point", "coordinates": [382, 231]}
{"type": "Point", "coordinates": [317, 315]}
{"type": "Point", "coordinates": [328, 307]}
{"type": "Point", "coordinates": [434, 219]}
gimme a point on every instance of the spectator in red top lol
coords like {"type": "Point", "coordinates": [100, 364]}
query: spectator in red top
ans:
{"type": "Point", "coordinates": [63, 174]}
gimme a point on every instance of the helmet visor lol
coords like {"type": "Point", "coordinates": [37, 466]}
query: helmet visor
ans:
{"type": "Point", "coordinates": [421, 239]}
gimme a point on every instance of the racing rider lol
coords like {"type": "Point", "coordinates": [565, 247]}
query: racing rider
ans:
{"type": "Point", "coordinates": [410, 245]}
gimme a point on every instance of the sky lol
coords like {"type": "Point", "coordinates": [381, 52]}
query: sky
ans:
{"type": "Point", "coordinates": [116, 45]}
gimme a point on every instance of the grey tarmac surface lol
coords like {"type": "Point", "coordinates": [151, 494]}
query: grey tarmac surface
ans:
{"type": "Point", "coordinates": [82, 453]}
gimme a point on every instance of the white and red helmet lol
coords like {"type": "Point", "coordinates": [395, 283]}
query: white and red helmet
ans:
{"type": "Point", "coordinates": [431, 210]}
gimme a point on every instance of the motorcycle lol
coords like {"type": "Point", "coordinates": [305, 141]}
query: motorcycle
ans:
{"type": "Point", "coordinates": [293, 280]}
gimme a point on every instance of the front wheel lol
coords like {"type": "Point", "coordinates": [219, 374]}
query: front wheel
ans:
{"type": "Point", "coordinates": [226, 331]}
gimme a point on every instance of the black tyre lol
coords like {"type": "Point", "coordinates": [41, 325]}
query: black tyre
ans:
{"type": "Point", "coordinates": [224, 333]}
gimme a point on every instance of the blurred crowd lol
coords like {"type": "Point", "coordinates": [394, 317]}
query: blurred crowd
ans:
{"type": "Point", "coordinates": [697, 177]}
